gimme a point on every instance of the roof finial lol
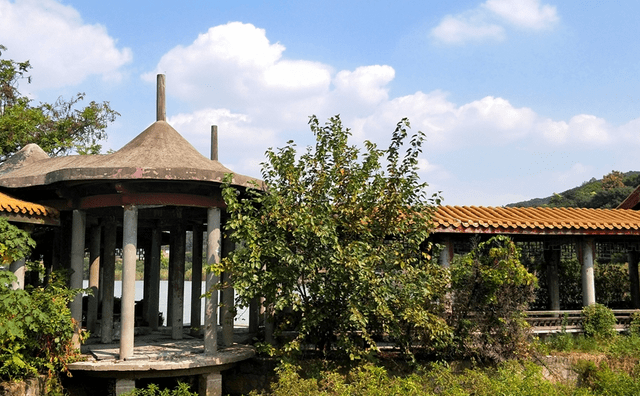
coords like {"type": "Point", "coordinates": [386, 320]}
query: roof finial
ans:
{"type": "Point", "coordinates": [161, 112]}
{"type": "Point", "coordinates": [214, 142]}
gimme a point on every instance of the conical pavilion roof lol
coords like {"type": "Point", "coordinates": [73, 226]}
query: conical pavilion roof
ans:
{"type": "Point", "coordinates": [158, 153]}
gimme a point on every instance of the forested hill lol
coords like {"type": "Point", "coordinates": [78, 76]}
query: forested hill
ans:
{"type": "Point", "coordinates": [607, 192]}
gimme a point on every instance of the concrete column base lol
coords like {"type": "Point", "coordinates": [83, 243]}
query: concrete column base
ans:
{"type": "Point", "coordinates": [210, 384]}
{"type": "Point", "coordinates": [124, 385]}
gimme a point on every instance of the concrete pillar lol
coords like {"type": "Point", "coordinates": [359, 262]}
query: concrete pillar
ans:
{"type": "Point", "coordinates": [146, 284]}
{"type": "Point", "coordinates": [552, 262]}
{"type": "Point", "coordinates": [446, 255]}
{"type": "Point", "coordinates": [77, 264]}
{"type": "Point", "coordinates": [108, 274]}
{"type": "Point", "coordinates": [210, 384]}
{"type": "Point", "coordinates": [227, 309]}
{"type": "Point", "coordinates": [94, 277]}
{"type": "Point", "coordinates": [632, 259]}
{"type": "Point", "coordinates": [177, 283]}
{"type": "Point", "coordinates": [585, 255]}
{"type": "Point", "coordinates": [196, 280]}
{"type": "Point", "coordinates": [254, 313]}
{"type": "Point", "coordinates": [18, 268]}
{"type": "Point", "coordinates": [171, 276]}
{"type": "Point", "coordinates": [211, 303]}
{"type": "Point", "coordinates": [154, 278]}
{"type": "Point", "coordinates": [269, 325]}
{"type": "Point", "coordinates": [129, 251]}
{"type": "Point", "coordinates": [124, 385]}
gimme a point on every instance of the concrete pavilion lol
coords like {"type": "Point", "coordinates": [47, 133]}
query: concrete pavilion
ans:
{"type": "Point", "coordinates": [155, 185]}
{"type": "Point", "coordinates": [549, 231]}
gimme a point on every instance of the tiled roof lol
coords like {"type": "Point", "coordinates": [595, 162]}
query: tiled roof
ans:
{"type": "Point", "coordinates": [632, 200]}
{"type": "Point", "coordinates": [27, 212]}
{"type": "Point", "coordinates": [573, 221]}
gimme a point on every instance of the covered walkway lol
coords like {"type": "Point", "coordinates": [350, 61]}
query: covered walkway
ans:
{"type": "Point", "coordinates": [590, 233]}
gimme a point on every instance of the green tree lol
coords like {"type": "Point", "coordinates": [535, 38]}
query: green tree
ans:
{"type": "Point", "coordinates": [613, 180]}
{"type": "Point", "coordinates": [14, 243]}
{"type": "Point", "coordinates": [58, 128]}
{"type": "Point", "coordinates": [341, 242]}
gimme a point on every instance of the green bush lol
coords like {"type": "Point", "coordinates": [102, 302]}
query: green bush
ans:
{"type": "Point", "coordinates": [36, 329]}
{"type": "Point", "coordinates": [509, 378]}
{"type": "Point", "coordinates": [634, 325]}
{"type": "Point", "coordinates": [492, 290]}
{"type": "Point", "coordinates": [598, 321]}
{"type": "Point", "coordinates": [153, 390]}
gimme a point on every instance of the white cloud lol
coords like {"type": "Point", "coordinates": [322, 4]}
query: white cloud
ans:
{"type": "Point", "coordinates": [62, 49]}
{"type": "Point", "coordinates": [529, 14]}
{"type": "Point", "coordinates": [260, 99]}
{"type": "Point", "coordinates": [486, 22]}
{"type": "Point", "coordinates": [235, 65]}
{"type": "Point", "coordinates": [460, 29]}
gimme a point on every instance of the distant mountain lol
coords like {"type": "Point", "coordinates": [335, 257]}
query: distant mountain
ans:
{"type": "Point", "coordinates": [607, 192]}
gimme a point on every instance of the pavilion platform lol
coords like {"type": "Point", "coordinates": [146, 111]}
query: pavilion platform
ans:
{"type": "Point", "coordinates": [157, 355]}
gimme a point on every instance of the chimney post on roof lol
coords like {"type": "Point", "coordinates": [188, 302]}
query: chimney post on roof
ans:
{"type": "Point", "coordinates": [214, 142]}
{"type": "Point", "coordinates": [161, 112]}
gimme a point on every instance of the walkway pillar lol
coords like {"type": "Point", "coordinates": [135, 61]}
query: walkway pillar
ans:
{"type": "Point", "coordinates": [552, 262]}
{"type": "Point", "coordinates": [77, 263]}
{"type": "Point", "coordinates": [108, 274]}
{"type": "Point", "coordinates": [154, 278]}
{"type": "Point", "coordinates": [447, 253]}
{"type": "Point", "coordinates": [94, 277]}
{"type": "Point", "coordinates": [18, 268]}
{"type": "Point", "coordinates": [632, 259]}
{"type": "Point", "coordinates": [129, 250]}
{"type": "Point", "coordinates": [196, 280]}
{"type": "Point", "coordinates": [585, 249]}
{"type": "Point", "coordinates": [177, 283]}
{"type": "Point", "coordinates": [211, 303]}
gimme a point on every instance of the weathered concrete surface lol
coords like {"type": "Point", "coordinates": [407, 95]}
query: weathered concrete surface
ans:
{"type": "Point", "coordinates": [159, 153]}
{"type": "Point", "coordinates": [151, 354]}
{"type": "Point", "coordinates": [29, 387]}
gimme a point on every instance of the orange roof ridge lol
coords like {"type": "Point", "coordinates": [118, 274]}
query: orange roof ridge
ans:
{"type": "Point", "coordinates": [534, 220]}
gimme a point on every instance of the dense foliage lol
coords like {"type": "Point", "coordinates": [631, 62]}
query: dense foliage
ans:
{"type": "Point", "coordinates": [609, 192]}
{"type": "Point", "coordinates": [341, 243]}
{"type": "Point", "coordinates": [611, 282]}
{"type": "Point", "coordinates": [181, 389]}
{"type": "Point", "coordinates": [58, 128]}
{"type": "Point", "coordinates": [598, 321]}
{"type": "Point", "coordinates": [507, 378]}
{"type": "Point", "coordinates": [15, 243]}
{"type": "Point", "coordinates": [491, 291]}
{"type": "Point", "coordinates": [36, 329]}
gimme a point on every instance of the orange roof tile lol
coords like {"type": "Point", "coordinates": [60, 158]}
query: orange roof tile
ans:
{"type": "Point", "coordinates": [478, 219]}
{"type": "Point", "coordinates": [28, 212]}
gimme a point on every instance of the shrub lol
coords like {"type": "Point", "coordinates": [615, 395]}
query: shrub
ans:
{"type": "Point", "coordinates": [492, 289]}
{"type": "Point", "coordinates": [36, 329]}
{"type": "Point", "coordinates": [153, 390]}
{"type": "Point", "coordinates": [634, 325]}
{"type": "Point", "coordinates": [598, 321]}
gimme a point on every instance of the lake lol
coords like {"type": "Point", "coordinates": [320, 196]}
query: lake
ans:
{"type": "Point", "coordinates": [241, 320]}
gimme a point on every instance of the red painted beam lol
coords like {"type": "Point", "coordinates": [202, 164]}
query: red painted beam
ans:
{"type": "Point", "coordinates": [166, 199]}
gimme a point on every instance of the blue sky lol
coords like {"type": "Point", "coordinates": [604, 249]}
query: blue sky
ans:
{"type": "Point", "coordinates": [518, 99]}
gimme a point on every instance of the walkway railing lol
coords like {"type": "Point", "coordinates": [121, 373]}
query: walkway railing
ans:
{"type": "Point", "coordinates": [544, 322]}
